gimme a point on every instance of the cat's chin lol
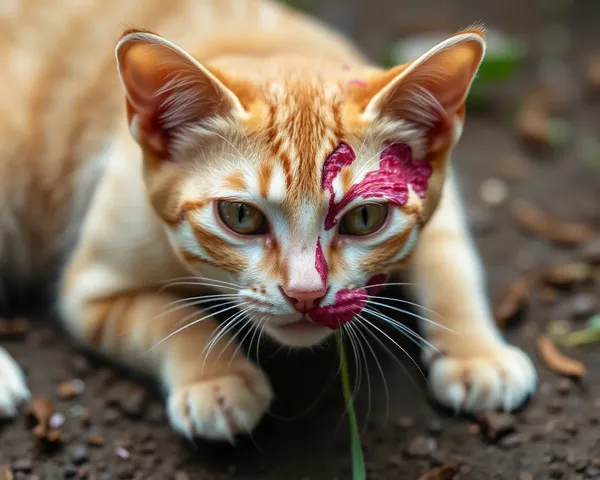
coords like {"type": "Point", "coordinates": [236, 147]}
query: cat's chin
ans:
{"type": "Point", "coordinates": [298, 333]}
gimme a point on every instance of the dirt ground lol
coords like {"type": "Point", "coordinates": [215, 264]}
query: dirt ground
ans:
{"type": "Point", "coordinates": [116, 427]}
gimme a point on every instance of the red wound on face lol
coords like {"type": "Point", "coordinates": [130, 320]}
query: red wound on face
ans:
{"type": "Point", "coordinates": [321, 263]}
{"type": "Point", "coordinates": [348, 304]}
{"type": "Point", "coordinates": [389, 182]}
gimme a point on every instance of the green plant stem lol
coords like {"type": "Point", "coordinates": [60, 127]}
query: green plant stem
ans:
{"type": "Point", "coordinates": [358, 461]}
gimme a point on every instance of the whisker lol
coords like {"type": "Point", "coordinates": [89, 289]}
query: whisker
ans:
{"type": "Point", "coordinates": [206, 279]}
{"type": "Point", "coordinates": [212, 314]}
{"type": "Point", "coordinates": [194, 301]}
{"type": "Point", "coordinates": [412, 314]}
{"type": "Point", "coordinates": [392, 284]}
{"type": "Point", "coordinates": [197, 284]}
{"type": "Point", "coordinates": [413, 336]}
{"type": "Point", "coordinates": [363, 356]}
{"type": "Point", "coordinates": [394, 342]}
{"type": "Point", "coordinates": [401, 300]}
{"type": "Point", "coordinates": [379, 367]}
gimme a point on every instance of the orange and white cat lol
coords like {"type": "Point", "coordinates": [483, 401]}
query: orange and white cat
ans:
{"type": "Point", "coordinates": [244, 149]}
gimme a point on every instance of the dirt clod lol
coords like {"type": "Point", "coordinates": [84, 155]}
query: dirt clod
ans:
{"type": "Point", "coordinates": [497, 424]}
{"type": "Point", "coordinates": [421, 446]}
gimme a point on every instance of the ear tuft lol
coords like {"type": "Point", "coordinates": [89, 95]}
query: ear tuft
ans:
{"type": "Point", "coordinates": [167, 89]}
{"type": "Point", "coordinates": [432, 90]}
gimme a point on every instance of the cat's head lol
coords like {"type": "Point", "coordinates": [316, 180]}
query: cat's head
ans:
{"type": "Point", "coordinates": [302, 182]}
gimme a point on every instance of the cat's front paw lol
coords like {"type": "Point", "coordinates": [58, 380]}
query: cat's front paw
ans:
{"type": "Point", "coordinates": [499, 377]}
{"type": "Point", "coordinates": [219, 408]}
{"type": "Point", "coordinates": [13, 389]}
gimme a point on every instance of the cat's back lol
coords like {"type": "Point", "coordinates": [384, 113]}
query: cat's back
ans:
{"type": "Point", "coordinates": [61, 103]}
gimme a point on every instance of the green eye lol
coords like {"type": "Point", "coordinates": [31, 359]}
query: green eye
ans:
{"type": "Point", "coordinates": [364, 220]}
{"type": "Point", "coordinates": [243, 218]}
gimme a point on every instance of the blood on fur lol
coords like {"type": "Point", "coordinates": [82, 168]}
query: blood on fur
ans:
{"type": "Point", "coordinates": [348, 303]}
{"type": "Point", "coordinates": [397, 171]}
{"type": "Point", "coordinates": [321, 262]}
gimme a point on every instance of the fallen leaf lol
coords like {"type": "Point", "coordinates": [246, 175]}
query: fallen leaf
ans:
{"type": "Point", "coordinates": [567, 274]}
{"type": "Point", "coordinates": [533, 220]}
{"type": "Point", "coordinates": [556, 360]}
{"type": "Point", "coordinates": [512, 300]}
{"type": "Point", "coordinates": [445, 472]}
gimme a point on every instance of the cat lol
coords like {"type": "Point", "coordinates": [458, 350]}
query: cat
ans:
{"type": "Point", "coordinates": [244, 149]}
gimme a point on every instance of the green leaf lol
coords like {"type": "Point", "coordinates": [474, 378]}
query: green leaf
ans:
{"type": "Point", "coordinates": [358, 462]}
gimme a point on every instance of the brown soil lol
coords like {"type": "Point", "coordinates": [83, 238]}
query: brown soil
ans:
{"type": "Point", "coordinates": [117, 429]}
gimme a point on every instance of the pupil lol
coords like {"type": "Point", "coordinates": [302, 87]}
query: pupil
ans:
{"type": "Point", "coordinates": [241, 213]}
{"type": "Point", "coordinates": [364, 213]}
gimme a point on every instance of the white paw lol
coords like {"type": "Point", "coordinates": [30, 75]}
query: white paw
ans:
{"type": "Point", "coordinates": [220, 408]}
{"type": "Point", "coordinates": [13, 389]}
{"type": "Point", "coordinates": [500, 378]}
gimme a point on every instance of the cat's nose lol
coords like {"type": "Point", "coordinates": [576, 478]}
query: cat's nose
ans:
{"type": "Point", "coordinates": [304, 300]}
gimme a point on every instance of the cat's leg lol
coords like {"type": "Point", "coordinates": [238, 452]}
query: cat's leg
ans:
{"type": "Point", "coordinates": [215, 396]}
{"type": "Point", "coordinates": [474, 368]}
{"type": "Point", "coordinates": [13, 388]}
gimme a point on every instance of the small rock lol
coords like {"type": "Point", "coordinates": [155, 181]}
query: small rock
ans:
{"type": "Point", "coordinates": [149, 447]}
{"type": "Point", "coordinates": [511, 441]}
{"type": "Point", "coordinates": [156, 414]}
{"type": "Point", "coordinates": [133, 405]}
{"type": "Point", "coordinates": [81, 366]}
{"type": "Point", "coordinates": [493, 191]}
{"type": "Point", "coordinates": [57, 420]}
{"type": "Point", "coordinates": [122, 453]}
{"type": "Point", "coordinates": [395, 461]}
{"type": "Point", "coordinates": [474, 429]}
{"type": "Point", "coordinates": [435, 427]}
{"type": "Point", "coordinates": [421, 446]}
{"type": "Point", "coordinates": [86, 418]}
{"type": "Point", "coordinates": [80, 455]}
{"type": "Point", "coordinates": [110, 416]}
{"type": "Point", "coordinates": [556, 405]}
{"type": "Point", "coordinates": [583, 305]}
{"type": "Point", "coordinates": [95, 440]}
{"type": "Point", "coordinates": [571, 428]}
{"type": "Point", "coordinates": [497, 424]}
{"type": "Point", "coordinates": [24, 465]}
{"type": "Point", "coordinates": [69, 471]}
{"type": "Point", "coordinates": [564, 387]}
{"type": "Point", "coordinates": [83, 472]}
{"type": "Point", "coordinates": [71, 388]}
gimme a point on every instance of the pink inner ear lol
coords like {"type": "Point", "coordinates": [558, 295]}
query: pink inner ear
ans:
{"type": "Point", "coordinates": [390, 181]}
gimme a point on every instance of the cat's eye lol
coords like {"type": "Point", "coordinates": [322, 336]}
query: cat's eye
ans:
{"type": "Point", "coordinates": [364, 219]}
{"type": "Point", "coordinates": [243, 218]}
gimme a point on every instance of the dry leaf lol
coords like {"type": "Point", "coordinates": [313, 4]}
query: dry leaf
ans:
{"type": "Point", "coordinates": [512, 300]}
{"type": "Point", "coordinates": [445, 472]}
{"type": "Point", "coordinates": [533, 220]}
{"type": "Point", "coordinates": [556, 360]}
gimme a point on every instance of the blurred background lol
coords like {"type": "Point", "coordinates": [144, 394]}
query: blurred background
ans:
{"type": "Point", "coordinates": [529, 166]}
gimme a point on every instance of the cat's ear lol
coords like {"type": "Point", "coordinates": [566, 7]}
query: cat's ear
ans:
{"type": "Point", "coordinates": [167, 90]}
{"type": "Point", "coordinates": [430, 92]}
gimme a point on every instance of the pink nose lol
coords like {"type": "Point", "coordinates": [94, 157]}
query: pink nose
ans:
{"type": "Point", "coordinates": [304, 300]}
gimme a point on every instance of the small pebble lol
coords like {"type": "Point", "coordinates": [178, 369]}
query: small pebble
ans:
{"type": "Point", "coordinates": [69, 471]}
{"type": "Point", "coordinates": [405, 422]}
{"type": "Point", "coordinates": [80, 455]}
{"type": "Point", "coordinates": [83, 472]}
{"type": "Point", "coordinates": [511, 441]}
{"type": "Point", "coordinates": [395, 461]}
{"type": "Point", "coordinates": [493, 191]}
{"type": "Point", "coordinates": [81, 366]}
{"type": "Point", "coordinates": [435, 427]}
{"type": "Point", "coordinates": [57, 420]}
{"type": "Point", "coordinates": [95, 440]}
{"type": "Point", "coordinates": [556, 470]}
{"type": "Point", "coordinates": [564, 387]}
{"type": "Point", "coordinates": [583, 305]}
{"type": "Point", "coordinates": [474, 429]}
{"type": "Point", "coordinates": [571, 428]}
{"type": "Point", "coordinates": [421, 446]}
{"type": "Point", "coordinates": [110, 416]}
{"type": "Point", "coordinates": [24, 465]}
{"type": "Point", "coordinates": [71, 388]}
{"type": "Point", "coordinates": [122, 453]}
